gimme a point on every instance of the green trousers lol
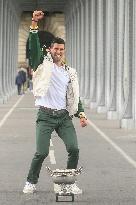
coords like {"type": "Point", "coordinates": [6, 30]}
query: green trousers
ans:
{"type": "Point", "coordinates": [46, 123]}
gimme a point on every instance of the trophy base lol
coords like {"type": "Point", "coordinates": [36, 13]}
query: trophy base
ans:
{"type": "Point", "coordinates": [64, 197]}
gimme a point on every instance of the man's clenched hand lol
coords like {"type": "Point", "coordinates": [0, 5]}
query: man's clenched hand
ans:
{"type": "Point", "coordinates": [83, 122]}
{"type": "Point", "coordinates": [37, 15]}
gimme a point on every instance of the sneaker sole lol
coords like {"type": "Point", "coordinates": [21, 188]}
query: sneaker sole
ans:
{"type": "Point", "coordinates": [29, 192]}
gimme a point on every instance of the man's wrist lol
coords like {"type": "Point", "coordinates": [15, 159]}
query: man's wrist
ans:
{"type": "Point", "coordinates": [34, 25]}
{"type": "Point", "coordinates": [33, 29]}
{"type": "Point", "coordinates": [34, 20]}
{"type": "Point", "coordinates": [82, 115]}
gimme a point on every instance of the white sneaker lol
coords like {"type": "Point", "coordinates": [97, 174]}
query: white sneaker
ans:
{"type": "Point", "coordinates": [75, 189]}
{"type": "Point", "coordinates": [29, 188]}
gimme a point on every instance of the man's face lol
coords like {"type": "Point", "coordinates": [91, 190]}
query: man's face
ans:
{"type": "Point", "coordinates": [57, 52]}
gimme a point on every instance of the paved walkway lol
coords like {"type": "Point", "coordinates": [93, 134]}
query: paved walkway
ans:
{"type": "Point", "coordinates": [107, 153]}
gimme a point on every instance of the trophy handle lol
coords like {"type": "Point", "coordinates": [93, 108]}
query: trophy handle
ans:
{"type": "Point", "coordinates": [49, 171]}
{"type": "Point", "coordinates": [79, 170]}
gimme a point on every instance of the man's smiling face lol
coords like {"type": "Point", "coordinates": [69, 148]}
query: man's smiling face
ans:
{"type": "Point", "coordinates": [57, 52]}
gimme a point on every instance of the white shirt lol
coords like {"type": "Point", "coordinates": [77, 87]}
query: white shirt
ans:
{"type": "Point", "coordinates": [56, 94]}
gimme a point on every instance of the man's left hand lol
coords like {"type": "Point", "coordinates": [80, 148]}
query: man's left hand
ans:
{"type": "Point", "coordinates": [83, 122]}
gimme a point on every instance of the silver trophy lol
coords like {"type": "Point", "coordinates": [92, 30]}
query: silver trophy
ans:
{"type": "Point", "coordinates": [64, 178]}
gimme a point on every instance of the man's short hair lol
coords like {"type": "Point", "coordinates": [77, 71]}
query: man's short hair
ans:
{"type": "Point", "coordinates": [57, 40]}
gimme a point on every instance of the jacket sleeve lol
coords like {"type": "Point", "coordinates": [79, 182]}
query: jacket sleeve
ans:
{"type": "Point", "coordinates": [35, 52]}
{"type": "Point", "coordinates": [80, 108]}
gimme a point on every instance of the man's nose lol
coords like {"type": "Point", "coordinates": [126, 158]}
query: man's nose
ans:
{"type": "Point", "coordinates": [58, 51]}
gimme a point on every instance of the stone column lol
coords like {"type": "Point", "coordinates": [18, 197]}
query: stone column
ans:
{"type": "Point", "coordinates": [78, 39]}
{"type": "Point", "coordinates": [108, 51]}
{"type": "Point", "coordinates": [93, 31]}
{"type": "Point", "coordinates": [72, 38]}
{"type": "Point", "coordinates": [127, 116]}
{"type": "Point", "coordinates": [67, 33]}
{"type": "Point", "coordinates": [82, 49]}
{"type": "Point", "coordinates": [66, 46]}
{"type": "Point", "coordinates": [74, 34]}
{"type": "Point", "coordinates": [10, 58]}
{"type": "Point", "coordinates": [15, 46]}
{"type": "Point", "coordinates": [79, 46]}
{"type": "Point", "coordinates": [100, 59]}
{"type": "Point", "coordinates": [68, 38]}
{"type": "Point", "coordinates": [134, 63]}
{"type": "Point", "coordinates": [1, 50]}
{"type": "Point", "coordinates": [8, 52]}
{"type": "Point", "coordinates": [120, 63]}
{"type": "Point", "coordinates": [4, 65]}
{"type": "Point", "coordinates": [112, 72]}
{"type": "Point", "coordinates": [13, 29]}
{"type": "Point", "coordinates": [87, 54]}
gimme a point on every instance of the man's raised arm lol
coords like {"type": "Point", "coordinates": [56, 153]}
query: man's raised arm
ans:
{"type": "Point", "coordinates": [35, 53]}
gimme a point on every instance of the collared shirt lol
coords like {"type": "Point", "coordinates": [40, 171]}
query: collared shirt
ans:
{"type": "Point", "coordinates": [56, 94]}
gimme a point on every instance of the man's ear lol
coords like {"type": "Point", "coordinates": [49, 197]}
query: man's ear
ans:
{"type": "Point", "coordinates": [49, 49]}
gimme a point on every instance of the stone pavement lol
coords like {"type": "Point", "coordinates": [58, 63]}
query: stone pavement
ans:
{"type": "Point", "coordinates": [107, 154]}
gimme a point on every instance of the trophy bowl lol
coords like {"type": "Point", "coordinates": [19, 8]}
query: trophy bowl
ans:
{"type": "Point", "coordinates": [64, 176]}
{"type": "Point", "coordinates": [63, 179]}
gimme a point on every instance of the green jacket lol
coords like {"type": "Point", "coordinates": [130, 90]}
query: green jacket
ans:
{"type": "Point", "coordinates": [36, 58]}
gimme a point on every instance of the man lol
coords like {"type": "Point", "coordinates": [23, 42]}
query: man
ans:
{"type": "Point", "coordinates": [56, 91]}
